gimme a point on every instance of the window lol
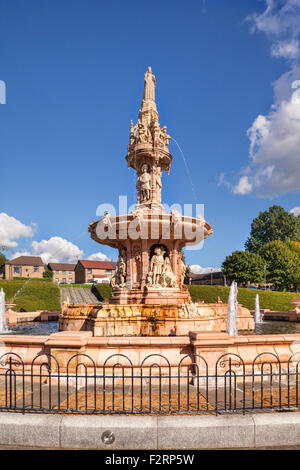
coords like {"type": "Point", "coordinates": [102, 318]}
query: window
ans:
{"type": "Point", "coordinates": [64, 279]}
{"type": "Point", "coordinates": [63, 272]}
{"type": "Point", "coordinates": [56, 280]}
{"type": "Point", "coordinates": [89, 271]}
{"type": "Point", "coordinates": [70, 272]}
{"type": "Point", "coordinates": [17, 269]}
{"type": "Point", "coordinates": [70, 280]}
{"type": "Point", "coordinates": [36, 269]}
{"type": "Point", "coordinates": [108, 271]}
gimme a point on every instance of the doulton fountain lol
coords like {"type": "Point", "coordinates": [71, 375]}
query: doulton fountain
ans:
{"type": "Point", "coordinates": [148, 294]}
{"type": "Point", "coordinates": [150, 311]}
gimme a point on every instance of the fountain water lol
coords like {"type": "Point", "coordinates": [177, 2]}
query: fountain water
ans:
{"type": "Point", "coordinates": [232, 310]}
{"type": "Point", "coordinates": [257, 314]}
{"type": "Point", "coordinates": [3, 326]}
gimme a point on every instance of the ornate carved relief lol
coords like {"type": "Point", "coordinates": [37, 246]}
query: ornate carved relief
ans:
{"type": "Point", "coordinates": [160, 274]}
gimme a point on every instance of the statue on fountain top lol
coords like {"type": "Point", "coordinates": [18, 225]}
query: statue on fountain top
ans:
{"type": "Point", "coordinates": [149, 86]}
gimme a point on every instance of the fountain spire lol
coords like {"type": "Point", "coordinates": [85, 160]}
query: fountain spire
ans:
{"type": "Point", "coordinates": [148, 149]}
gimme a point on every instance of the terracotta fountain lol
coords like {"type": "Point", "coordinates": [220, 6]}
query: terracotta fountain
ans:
{"type": "Point", "coordinates": [148, 293]}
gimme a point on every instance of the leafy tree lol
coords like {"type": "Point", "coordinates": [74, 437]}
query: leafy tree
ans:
{"type": "Point", "coordinates": [243, 266]}
{"type": "Point", "coordinates": [283, 264]}
{"type": "Point", "coordinates": [273, 224]}
{"type": "Point", "coordinates": [48, 274]}
{"type": "Point", "coordinates": [3, 259]}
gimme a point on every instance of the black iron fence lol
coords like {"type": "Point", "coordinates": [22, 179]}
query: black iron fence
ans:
{"type": "Point", "coordinates": [155, 387]}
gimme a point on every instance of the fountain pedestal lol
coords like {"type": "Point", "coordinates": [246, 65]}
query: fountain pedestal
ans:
{"type": "Point", "coordinates": [151, 320]}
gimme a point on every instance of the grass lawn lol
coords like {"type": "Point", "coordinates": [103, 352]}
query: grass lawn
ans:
{"type": "Point", "coordinates": [246, 297]}
{"type": "Point", "coordinates": [11, 287]}
{"type": "Point", "coordinates": [44, 295]}
{"type": "Point", "coordinates": [33, 295]}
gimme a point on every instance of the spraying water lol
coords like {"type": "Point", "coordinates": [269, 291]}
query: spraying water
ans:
{"type": "Point", "coordinates": [20, 290]}
{"type": "Point", "coordinates": [187, 170]}
{"type": "Point", "coordinates": [257, 314]}
{"type": "Point", "coordinates": [232, 310]}
{"type": "Point", "coordinates": [3, 325]}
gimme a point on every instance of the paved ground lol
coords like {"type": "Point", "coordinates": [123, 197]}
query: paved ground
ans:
{"type": "Point", "coordinates": [57, 431]}
{"type": "Point", "coordinates": [77, 295]}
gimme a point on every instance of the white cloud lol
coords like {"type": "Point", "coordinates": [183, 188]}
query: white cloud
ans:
{"type": "Point", "coordinates": [11, 229]}
{"type": "Point", "coordinates": [243, 186]}
{"type": "Point", "coordinates": [21, 253]}
{"type": "Point", "coordinates": [286, 49]}
{"type": "Point", "coordinates": [274, 150]}
{"type": "Point", "coordinates": [99, 257]}
{"type": "Point", "coordinates": [197, 269]}
{"type": "Point", "coordinates": [295, 211]}
{"type": "Point", "coordinates": [280, 22]}
{"type": "Point", "coordinates": [55, 250]}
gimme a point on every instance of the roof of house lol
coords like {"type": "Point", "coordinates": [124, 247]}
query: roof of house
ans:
{"type": "Point", "coordinates": [61, 266]}
{"type": "Point", "coordinates": [89, 264]}
{"type": "Point", "coordinates": [26, 261]}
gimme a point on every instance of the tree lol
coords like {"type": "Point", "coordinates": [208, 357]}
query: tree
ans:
{"type": "Point", "coordinates": [48, 274]}
{"type": "Point", "coordinates": [3, 259]}
{"type": "Point", "coordinates": [243, 266]}
{"type": "Point", "coordinates": [273, 224]}
{"type": "Point", "coordinates": [283, 263]}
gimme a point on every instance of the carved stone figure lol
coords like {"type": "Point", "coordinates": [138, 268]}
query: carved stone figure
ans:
{"type": "Point", "coordinates": [106, 220]}
{"type": "Point", "coordinates": [168, 277]}
{"type": "Point", "coordinates": [183, 271]}
{"type": "Point", "coordinates": [157, 265]}
{"type": "Point", "coordinates": [149, 279]}
{"type": "Point", "coordinates": [149, 86]}
{"type": "Point", "coordinates": [132, 136]}
{"type": "Point", "coordinates": [143, 133]}
{"type": "Point", "coordinates": [122, 271]}
{"type": "Point", "coordinates": [164, 136]}
{"type": "Point", "coordinates": [157, 182]}
{"type": "Point", "coordinates": [189, 310]}
{"type": "Point", "coordinates": [144, 184]}
{"type": "Point", "coordinates": [139, 214]}
{"type": "Point", "coordinates": [119, 278]}
{"type": "Point", "coordinates": [176, 218]}
{"type": "Point", "coordinates": [114, 281]}
{"type": "Point", "coordinates": [156, 132]}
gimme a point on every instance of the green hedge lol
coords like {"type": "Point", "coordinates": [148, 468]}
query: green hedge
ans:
{"type": "Point", "coordinates": [103, 290]}
{"type": "Point", "coordinates": [246, 297]}
{"type": "Point", "coordinates": [35, 295]}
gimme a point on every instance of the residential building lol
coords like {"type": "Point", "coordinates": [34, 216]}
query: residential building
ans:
{"type": "Point", "coordinates": [87, 270]}
{"type": "Point", "coordinates": [63, 273]}
{"type": "Point", "coordinates": [216, 278]}
{"type": "Point", "coordinates": [24, 266]}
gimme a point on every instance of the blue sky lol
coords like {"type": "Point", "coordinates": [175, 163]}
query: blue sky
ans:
{"type": "Point", "coordinates": [74, 77]}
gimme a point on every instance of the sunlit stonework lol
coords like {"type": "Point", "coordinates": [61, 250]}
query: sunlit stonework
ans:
{"type": "Point", "coordinates": [148, 294]}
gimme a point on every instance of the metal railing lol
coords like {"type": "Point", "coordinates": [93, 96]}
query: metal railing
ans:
{"type": "Point", "coordinates": [155, 387]}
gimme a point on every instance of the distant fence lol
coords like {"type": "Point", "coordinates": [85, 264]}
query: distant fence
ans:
{"type": "Point", "coordinates": [153, 388]}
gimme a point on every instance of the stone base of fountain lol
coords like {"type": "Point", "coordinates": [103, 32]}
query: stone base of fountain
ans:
{"type": "Point", "coordinates": [151, 320]}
